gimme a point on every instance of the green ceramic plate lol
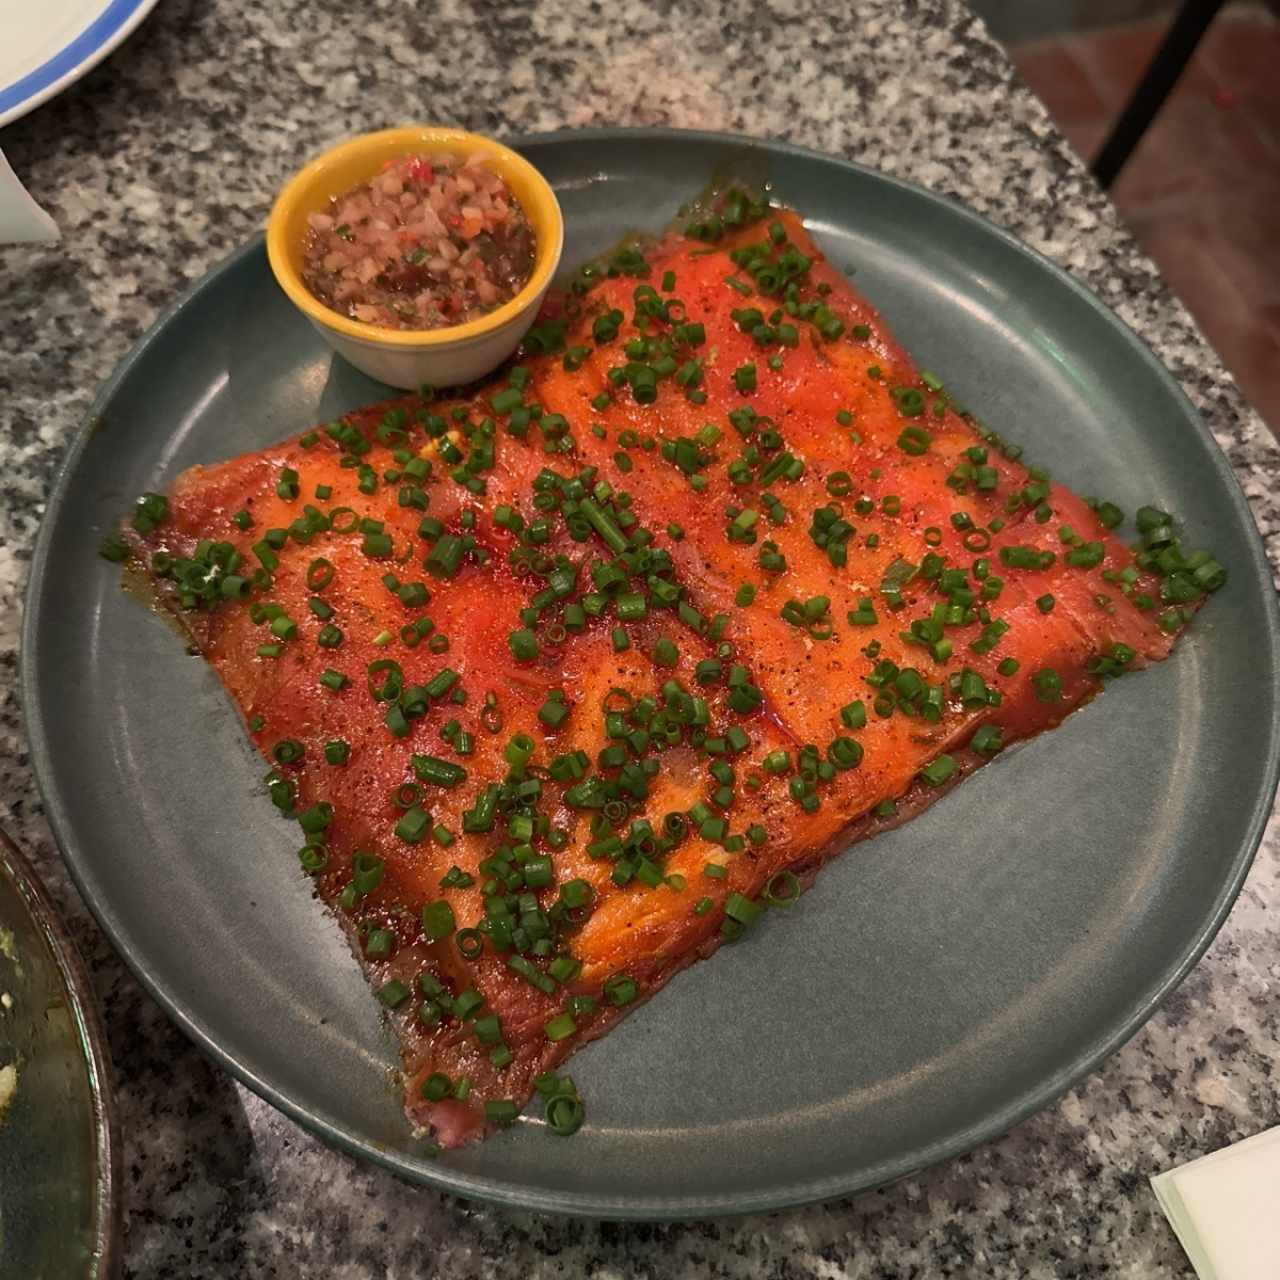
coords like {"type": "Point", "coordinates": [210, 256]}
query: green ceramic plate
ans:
{"type": "Point", "coordinates": [940, 982]}
{"type": "Point", "coordinates": [59, 1151]}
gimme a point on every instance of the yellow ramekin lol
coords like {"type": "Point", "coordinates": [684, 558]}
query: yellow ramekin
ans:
{"type": "Point", "coordinates": [412, 357]}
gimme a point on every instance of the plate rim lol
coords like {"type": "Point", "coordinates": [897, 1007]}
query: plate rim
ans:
{"type": "Point", "coordinates": [584, 1205]}
{"type": "Point", "coordinates": [104, 1264]}
{"type": "Point", "coordinates": [109, 29]}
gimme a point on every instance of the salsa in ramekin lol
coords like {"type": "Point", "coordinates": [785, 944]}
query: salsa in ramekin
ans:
{"type": "Point", "coordinates": [432, 240]}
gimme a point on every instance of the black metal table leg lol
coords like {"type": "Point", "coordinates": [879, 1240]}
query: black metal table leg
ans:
{"type": "Point", "coordinates": [1170, 61]}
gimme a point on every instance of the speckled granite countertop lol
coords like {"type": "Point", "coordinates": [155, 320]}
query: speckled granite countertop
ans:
{"type": "Point", "coordinates": [163, 160]}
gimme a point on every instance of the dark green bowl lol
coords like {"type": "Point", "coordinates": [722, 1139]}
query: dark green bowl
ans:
{"type": "Point", "coordinates": [59, 1153]}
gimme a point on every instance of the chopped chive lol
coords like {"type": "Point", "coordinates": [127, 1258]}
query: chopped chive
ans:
{"type": "Point", "coordinates": [742, 910]}
{"type": "Point", "coordinates": [393, 994]}
{"type": "Point", "coordinates": [1048, 685]}
{"type": "Point", "coordinates": [500, 1112]}
{"type": "Point", "coordinates": [523, 644]}
{"type": "Point", "coordinates": [938, 770]}
{"type": "Point", "coordinates": [378, 943]}
{"type": "Point", "coordinates": [560, 1027]}
{"type": "Point", "coordinates": [413, 825]}
{"type": "Point", "coordinates": [620, 989]}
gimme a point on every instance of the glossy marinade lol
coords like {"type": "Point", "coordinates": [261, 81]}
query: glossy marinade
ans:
{"type": "Point", "coordinates": [568, 679]}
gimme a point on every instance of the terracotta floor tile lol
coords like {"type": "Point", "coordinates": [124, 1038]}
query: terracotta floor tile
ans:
{"type": "Point", "coordinates": [1211, 161]}
{"type": "Point", "coordinates": [1084, 135]}
{"type": "Point", "coordinates": [1190, 257]}
{"type": "Point", "coordinates": [1256, 273]}
{"type": "Point", "coordinates": [1242, 46]}
{"type": "Point", "coordinates": [1236, 153]}
{"type": "Point", "coordinates": [1114, 58]}
{"type": "Point", "coordinates": [1248, 231]}
{"type": "Point", "coordinates": [1184, 249]}
{"type": "Point", "coordinates": [1161, 167]}
{"type": "Point", "coordinates": [1243, 53]}
{"type": "Point", "coordinates": [1262, 103]}
{"type": "Point", "coordinates": [1195, 144]}
{"type": "Point", "coordinates": [1202, 191]}
{"type": "Point", "coordinates": [1254, 359]}
{"type": "Point", "coordinates": [1057, 77]}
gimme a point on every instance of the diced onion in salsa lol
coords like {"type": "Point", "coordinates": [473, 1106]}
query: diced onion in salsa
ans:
{"type": "Point", "coordinates": [431, 241]}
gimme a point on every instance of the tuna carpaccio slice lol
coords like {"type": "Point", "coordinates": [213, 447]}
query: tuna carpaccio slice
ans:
{"type": "Point", "coordinates": [566, 680]}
